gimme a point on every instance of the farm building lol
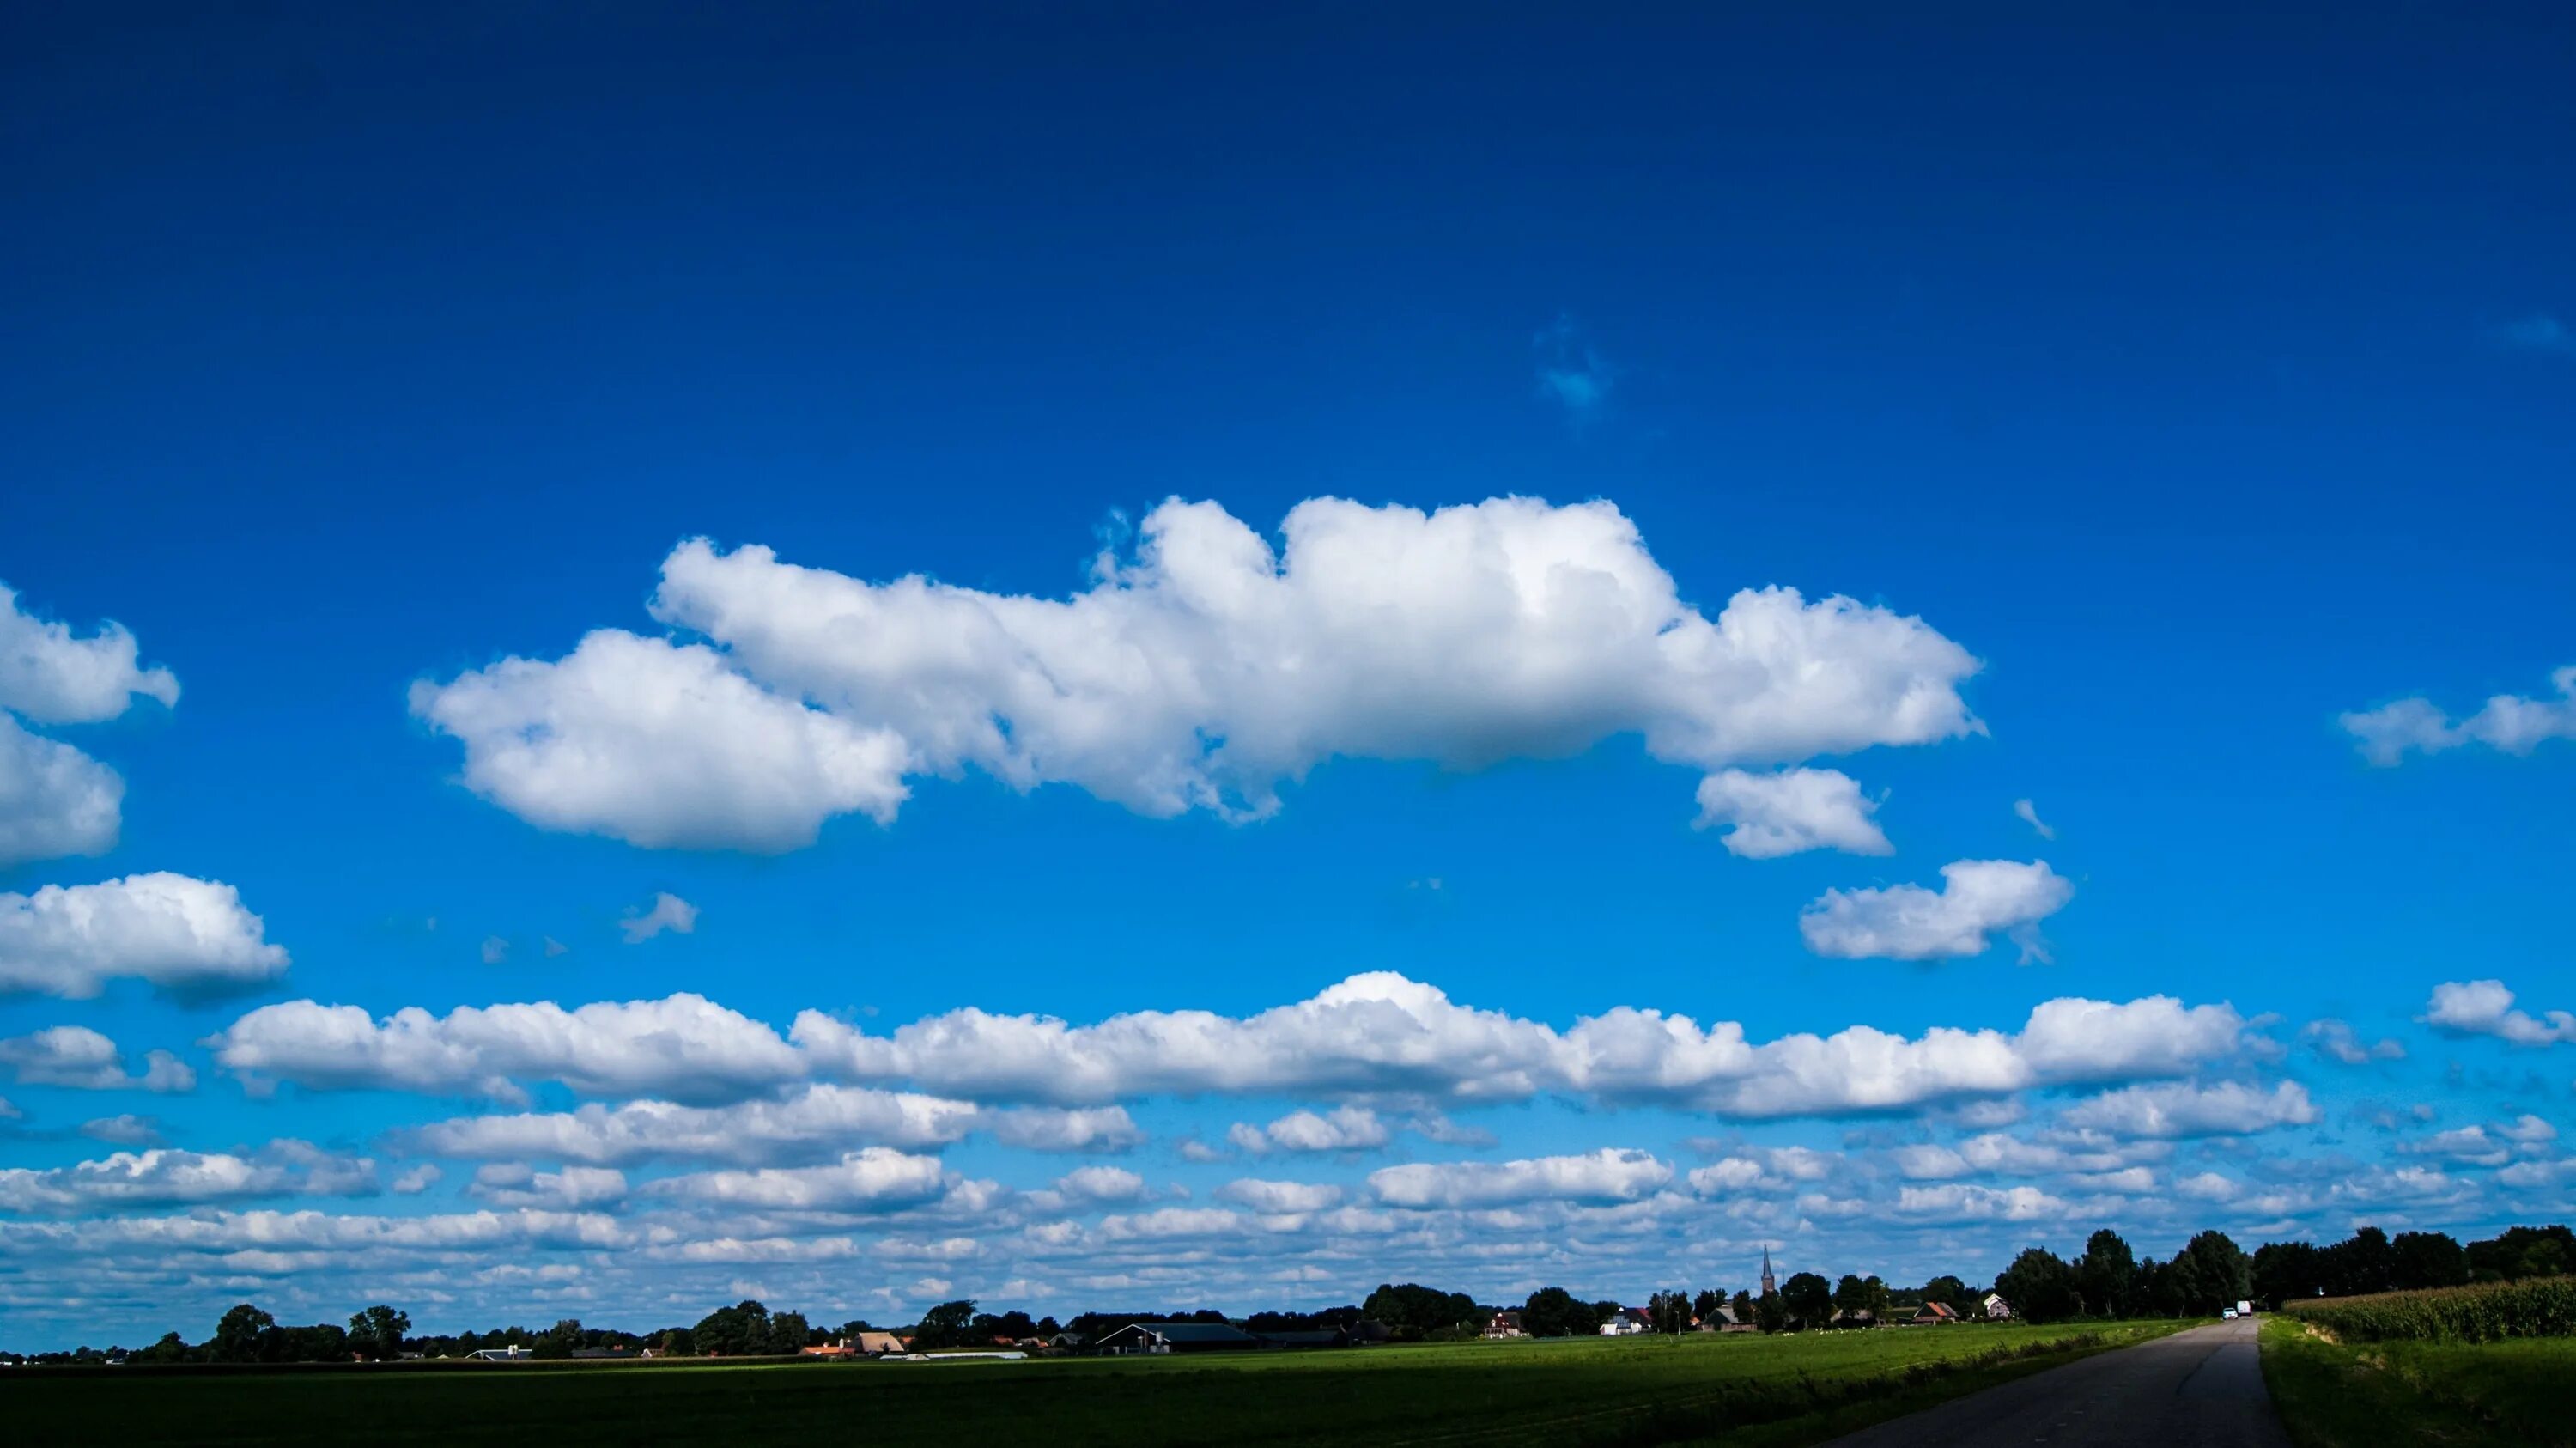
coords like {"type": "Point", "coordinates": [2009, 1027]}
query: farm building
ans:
{"type": "Point", "coordinates": [1170, 1337]}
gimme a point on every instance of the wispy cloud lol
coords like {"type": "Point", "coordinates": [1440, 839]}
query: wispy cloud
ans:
{"type": "Point", "coordinates": [2029, 815]}
{"type": "Point", "coordinates": [2538, 332]}
{"type": "Point", "coordinates": [669, 912]}
{"type": "Point", "coordinates": [1570, 371]}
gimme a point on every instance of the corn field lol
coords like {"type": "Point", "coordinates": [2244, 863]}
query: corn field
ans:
{"type": "Point", "coordinates": [2540, 1307]}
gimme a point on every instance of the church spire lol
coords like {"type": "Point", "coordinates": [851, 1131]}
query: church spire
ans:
{"type": "Point", "coordinates": [1768, 1287]}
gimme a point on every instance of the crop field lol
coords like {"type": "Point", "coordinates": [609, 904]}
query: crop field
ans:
{"type": "Point", "coordinates": [2396, 1392]}
{"type": "Point", "coordinates": [1736, 1389]}
{"type": "Point", "coordinates": [2542, 1307]}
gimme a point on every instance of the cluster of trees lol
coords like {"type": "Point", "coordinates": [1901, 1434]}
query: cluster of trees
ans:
{"type": "Point", "coordinates": [2107, 1280]}
{"type": "Point", "coordinates": [2211, 1273]}
{"type": "Point", "coordinates": [2372, 1261]}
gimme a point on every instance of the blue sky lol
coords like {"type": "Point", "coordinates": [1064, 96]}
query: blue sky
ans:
{"type": "Point", "coordinates": [2204, 380]}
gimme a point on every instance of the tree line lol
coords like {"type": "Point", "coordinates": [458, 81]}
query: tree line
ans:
{"type": "Point", "coordinates": [2106, 1280]}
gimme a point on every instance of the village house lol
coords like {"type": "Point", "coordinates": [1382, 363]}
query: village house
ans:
{"type": "Point", "coordinates": [1628, 1322]}
{"type": "Point", "coordinates": [1932, 1314]}
{"type": "Point", "coordinates": [1997, 1310]}
{"type": "Point", "coordinates": [1505, 1324]}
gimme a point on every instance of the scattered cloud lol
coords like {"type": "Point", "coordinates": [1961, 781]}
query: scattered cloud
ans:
{"type": "Point", "coordinates": [874, 1178]}
{"type": "Point", "coordinates": [669, 912]}
{"type": "Point", "coordinates": [1101, 1184]}
{"type": "Point", "coordinates": [1504, 629]}
{"type": "Point", "coordinates": [509, 1184]}
{"type": "Point", "coordinates": [1347, 1128]}
{"type": "Point", "coordinates": [2028, 814]}
{"type": "Point", "coordinates": [1908, 922]}
{"type": "Point", "coordinates": [182, 935]}
{"type": "Point", "coordinates": [495, 950]}
{"type": "Point", "coordinates": [2336, 1041]}
{"type": "Point", "coordinates": [1607, 1175]}
{"type": "Point", "coordinates": [166, 1177]}
{"type": "Point", "coordinates": [1790, 810]}
{"type": "Point", "coordinates": [81, 1058]}
{"type": "Point", "coordinates": [2485, 1008]}
{"type": "Point", "coordinates": [2178, 1111]}
{"type": "Point", "coordinates": [1275, 1198]}
{"type": "Point", "coordinates": [2506, 722]}
{"type": "Point", "coordinates": [123, 1129]}
{"type": "Point", "coordinates": [55, 800]}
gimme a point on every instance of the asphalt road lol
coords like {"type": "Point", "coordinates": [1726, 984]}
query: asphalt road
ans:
{"type": "Point", "coordinates": [2197, 1389]}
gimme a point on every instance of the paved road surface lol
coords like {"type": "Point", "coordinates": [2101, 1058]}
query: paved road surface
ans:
{"type": "Point", "coordinates": [2197, 1389]}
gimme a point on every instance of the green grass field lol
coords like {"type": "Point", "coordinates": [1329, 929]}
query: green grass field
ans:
{"type": "Point", "coordinates": [1736, 1389]}
{"type": "Point", "coordinates": [2461, 1395]}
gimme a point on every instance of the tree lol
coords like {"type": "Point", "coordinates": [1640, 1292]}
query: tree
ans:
{"type": "Point", "coordinates": [2287, 1271]}
{"type": "Point", "coordinates": [1412, 1311]}
{"type": "Point", "coordinates": [1851, 1295]}
{"type": "Point", "coordinates": [1710, 1302]}
{"type": "Point", "coordinates": [237, 1335]}
{"type": "Point", "coordinates": [560, 1340]}
{"type": "Point", "coordinates": [789, 1334]}
{"type": "Point", "coordinates": [2427, 1259]}
{"type": "Point", "coordinates": [2219, 1275]}
{"type": "Point", "coordinates": [1669, 1312]}
{"type": "Point", "coordinates": [1743, 1305]}
{"type": "Point", "coordinates": [741, 1330]}
{"type": "Point", "coordinates": [172, 1348]}
{"type": "Point", "coordinates": [1770, 1313]}
{"type": "Point", "coordinates": [1808, 1298]}
{"type": "Point", "coordinates": [2107, 1274]}
{"type": "Point", "coordinates": [2520, 1252]}
{"type": "Point", "coordinates": [377, 1332]}
{"type": "Point", "coordinates": [1950, 1292]}
{"type": "Point", "coordinates": [2040, 1287]}
{"type": "Point", "coordinates": [2362, 1262]}
{"type": "Point", "coordinates": [950, 1324]}
{"type": "Point", "coordinates": [1554, 1312]}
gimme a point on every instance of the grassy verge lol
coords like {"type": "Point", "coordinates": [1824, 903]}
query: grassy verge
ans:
{"type": "Point", "coordinates": [1771, 1392]}
{"type": "Point", "coordinates": [2459, 1395]}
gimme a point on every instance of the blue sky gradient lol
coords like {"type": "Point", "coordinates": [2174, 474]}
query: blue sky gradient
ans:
{"type": "Point", "coordinates": [2201, 375]}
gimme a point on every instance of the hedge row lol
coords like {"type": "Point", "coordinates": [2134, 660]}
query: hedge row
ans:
{"type": "Point", "coordinates": [2541, 1307]}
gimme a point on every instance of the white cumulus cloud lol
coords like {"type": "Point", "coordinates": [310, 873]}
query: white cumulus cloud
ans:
{"type": "Point", "coordinates": [1790, 810]}
{"type": "Point", "coordinates": [1204, 672]}
{"type": "Point", "coordinates": [506, 1184]}
{"type": "Point", "coordinates": [684, 1046]}
{"type": "Point", "coordinates": [165, 1177]}
{"type": "Point", "coordinates": [1908, 922]}
{"type": "Point", "coordinates": [54, 799]}
{"type": "Point", "coordinates": [875, 1178]}
{"type": "Point", "coordinates": [183, 935]}
{"type": "Point", "coordinates": [2485, 1008]}
{"type": "Point", "coordinates": [1276, 1198]}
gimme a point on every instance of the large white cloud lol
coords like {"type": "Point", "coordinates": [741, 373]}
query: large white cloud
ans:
{"type": "Point", "coordinates": [1202, 673]}
{"type": "Point", "coordinates": [660, 745]}
{"type": "Point", "coordinates": [165, 1177]}
{"type": "Point", "coordinates": [1789, 810]}
{"type": "Point", "coordinates": [2509, 722]}
{"type": "Point", "coordinates": [2179, 1110]}
{"type": "Point", "coordinates": [1607, 1175]}
{"type": "Point", "coordinates": [183, 935]}
{"type": "Point", "coordinates": [1381, 1033]}
{"type": "Point", "coordinates": [1909, 922]}
{"type": "Point", "coordinates": [2485, 1008]}
{"type": "Point", "coordinates": [79, 1057]}
{"type": "Point", "coordinates": [683, 1046]}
